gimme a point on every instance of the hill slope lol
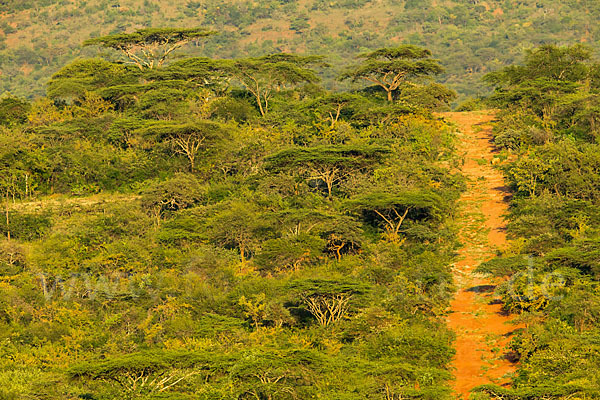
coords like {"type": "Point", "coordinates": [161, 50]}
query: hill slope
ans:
{"type": "Point", "coordinates": [470, 37]}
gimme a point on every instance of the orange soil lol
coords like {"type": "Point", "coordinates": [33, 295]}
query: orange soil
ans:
{"type": "Point", "coordinates": [482, 329]}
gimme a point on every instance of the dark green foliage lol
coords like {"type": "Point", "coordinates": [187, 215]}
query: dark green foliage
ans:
{"type": "Point", "coordinates": [433, 96]}
{"type": "Point", "coordinates": [424, 204]}
{"type": "Point", "coordinates": [290, 253]}
{"type": "Point", "coordinates": [563, 168]}
{"type": "Point", "coordinates": [180, 192]}
{"type": "Point", "coordinates": [339, 156]}
{"type": "Point", "coordinates": [326, 165]}
{"type": "Point", "coordinates": [584, 255]}
{"type": "Point", "coordinates": [390, 68]}
{"type": "Point", "coordinates": [13, 111]}
{"type": "Point", "coordinates": [25, 226]}
{"type": "Point", "coordinates": [82, 76]}
{"type": "Point", "coordinates": [262, 76]}
{"type": "Point", "coordinates": [148, 36]}
{"type": "Point", "coordinates": [553, 95]}
{"type": "Point", "coordinates": [147, 362]}
{"type": "Point", "coordinates": [233, 109]}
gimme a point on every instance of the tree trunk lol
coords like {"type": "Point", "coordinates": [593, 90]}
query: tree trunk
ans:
{"type": "Point", "coordinates": [389, 96]}
{"type": "Point", "coordinates": [260, 106]}
{"type": "Point", "coordinates": [243, 253]}
{"type": "Point", "coordinates": [259, 101]}
{"type": "Point", "coordinates": [329, 187]}
{"type": "Point", "coordinates": [7, 218]}
{"type": "Point", "coordinates": [337, 251]}
{"type": "Point", "coordinates": [191, 157]}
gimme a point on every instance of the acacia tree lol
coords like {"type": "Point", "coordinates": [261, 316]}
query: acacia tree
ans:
{"type": "Point", "coordinates": [327, 164]}
{"type": "Point", "coordinates": [290, 252]}
{"type": "Point", "coordinates": [296, 220]}
{"type": "Point", "coordinates": [206, 72]}
{"type": "Point", "coordinates": [343, 234]}
{"type": "Point", "coordinates": [334, 105]}
{"type": "Point", "coordinates": [236, 224]}
{"type": "Point", "coordinates": [180, 192]}
{"type": "Point", "coordinates": [328, 300]}
{"type": "Point", "coordinates": [338, 234]}
{"type": "Point", "coordinates": [149, 48]}
{"type": "Point", "coordinates": [76, 79]}
{"type": "Point", "coordinates": [261, 76]}
{"type": "Point", "coordinates": [145, 373]}
{"type": "Point", "coordinates": [185, 138]}
{"type": "Point", "coordinates": [389, 68]}
{"type": "Point", "coordinates": [392, 209]}
{"type": "Point", "coordinates": [552, 83]}
{"type": "Point", "coordinates": [13, 111]}
{"type": "Point", "coordinates": [266, 374]}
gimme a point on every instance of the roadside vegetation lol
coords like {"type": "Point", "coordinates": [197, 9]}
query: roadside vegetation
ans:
{"type": "Point", "coordinates": [548, 126]}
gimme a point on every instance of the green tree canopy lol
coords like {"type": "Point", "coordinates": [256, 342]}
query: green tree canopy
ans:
{"type": "Point", "coordinates": [147, 372]}
{"type": "Point", "coordinates": [237, 224]}
{"type": "Point", "coordinates": [391, 209]}
{"type": "Point", "coordinates": [186, 138]}
{"type": "Point", "coordinates": [81, 76]}
{"type": "Point", "coordinates": [261, 76]}
{"type": "Point", "coordinates": [569, 63]}
{"type": "Point", "coordinates": [327, 164]}
{"type": "Point", "coordinates": [149, 48]}
{"type": "Point", "coordinates": [552, 83]}
{"type": "Point", "coordinates": [389, 68]}
{"type": "Point", "coordinates": [13, 111]}
{"type": "Point", "coordinates": [329, 300]}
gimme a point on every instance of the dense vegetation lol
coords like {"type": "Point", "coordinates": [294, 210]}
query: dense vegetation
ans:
{"type": "Point", "coordinates": [184, 227]}
{"type": "Point", "coordinates": [226, 229]}
{"type": "Point", "coordinates": [549, 121]}
{"type": "Point", "coordinates": [37, 37]}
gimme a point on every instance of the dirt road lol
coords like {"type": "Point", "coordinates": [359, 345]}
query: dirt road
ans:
{"type": "Point", "coordinates": [482, 329]}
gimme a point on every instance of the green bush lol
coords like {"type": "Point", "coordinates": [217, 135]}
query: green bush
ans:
{"type": "Point", "coordinates": [25, 226]}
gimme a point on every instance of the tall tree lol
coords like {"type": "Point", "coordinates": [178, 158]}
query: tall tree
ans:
{"type": "Point", "coordinates": [328, 300]}
{"type": "Point", "coordinates": [237, 224]}
{"type": "Point", "coordinates": [552, 82]}
{"type": "Point", "coordinates": [13, 111]}
{"type": "Point", "coordinates": [392, 209]}
{"type": "Point", "coordinates": [332, 107]}
{"type": "Point", "coordinates": [389, 68]}
{"type": "Point", "coordinates": [326, 164]}
{"type": "Point", "coordinates": [185, 138]}
{"type": "Point", "coordinates": [89, 75]}
{"type": "Point", "coordinates": [261, 76]}
{"type": "Point", "coordinates": [149, 48]}
{"type": "Point", "coordinates": [142, 374]}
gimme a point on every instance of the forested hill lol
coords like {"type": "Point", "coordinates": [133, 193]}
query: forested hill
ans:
{"type": "Point", "coordinates": [470, 37]}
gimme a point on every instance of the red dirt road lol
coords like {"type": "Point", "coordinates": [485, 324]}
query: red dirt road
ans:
{"type": "Point", "coordinates": [482, 330]}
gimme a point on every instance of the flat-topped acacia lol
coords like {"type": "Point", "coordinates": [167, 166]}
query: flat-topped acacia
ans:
{"type": "Point", "coordinates": [149, 48]}
{"type": "Point", "coordinates": [389, 68]}
{"type": "Point", "coordinates": [328, 163]}
{"type": "Point", "coordinates": [261, 76]}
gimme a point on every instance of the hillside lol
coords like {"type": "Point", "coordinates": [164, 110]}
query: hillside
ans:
{"type": "Point", "coordinates": [235, 227]}
{"type": "Point", "coordinates": [470, 37]}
